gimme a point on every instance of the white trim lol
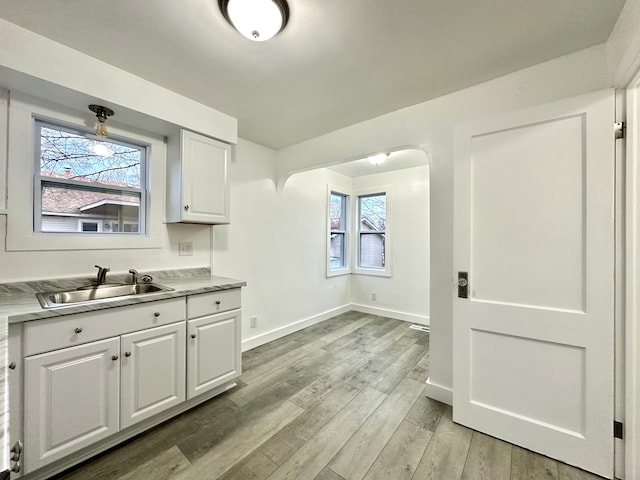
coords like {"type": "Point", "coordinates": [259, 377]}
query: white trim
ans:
{"type": "Point", "coordinates": [383, 312]}
{"type": "Point", "coordinates": [439, 392]}
{"type": "Point", "coordinates": [632, 304]}
{"type": "Point", "coordinates": [20, 235]}
{"type": "Point", "coordinates": [355, 222]}
{"type": "Point", "coordinates": [279, 332]}
{"type": "Point", "coordinates": [347, 237]}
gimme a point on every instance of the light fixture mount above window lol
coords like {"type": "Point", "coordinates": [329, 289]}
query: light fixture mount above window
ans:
{"type": "Point", "coordinates": [102, 113]}
{"type": "Point", "coordinates": [257, 20]}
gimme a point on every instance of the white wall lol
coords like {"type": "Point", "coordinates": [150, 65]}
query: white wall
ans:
{"type": "Point", "coordinates": [276, 242]}
{"type": "Point", "coordinates": [431, 125]}
{"type": "Point", "coordinates": [406, 293]}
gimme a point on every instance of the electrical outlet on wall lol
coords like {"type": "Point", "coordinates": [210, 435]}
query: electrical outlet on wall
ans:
{"type": "Point", "coordinates": [254, 322]}
{"type": "Point", "coordinates": [185, 249]}
{"type": "Point", "coordinates": [374, 296]}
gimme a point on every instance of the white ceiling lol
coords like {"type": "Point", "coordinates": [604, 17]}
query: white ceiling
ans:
{"type": "Point", "coordinates": [397, 160]}
{"type": "Point", "coordinates": [338, 62]}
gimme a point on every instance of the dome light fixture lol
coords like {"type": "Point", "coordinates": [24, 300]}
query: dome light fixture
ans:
{"type": "Point", "coordinates": [257, 20]}
{"type": "Point", "coordinates": [102, 113]}
{"type": "Point", "coordinates": [378, 158]}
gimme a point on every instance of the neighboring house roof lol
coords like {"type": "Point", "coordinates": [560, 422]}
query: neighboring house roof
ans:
{"type": "Point", "coordinates": [63, 200]}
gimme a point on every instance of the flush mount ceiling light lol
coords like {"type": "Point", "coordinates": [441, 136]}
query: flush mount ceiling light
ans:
{"type": "Point", "coordinates": [378, 158]}
{"type": "Point", "coordinates": [102, 113]}
{"type": "Point", "coordinates": [258, 20]}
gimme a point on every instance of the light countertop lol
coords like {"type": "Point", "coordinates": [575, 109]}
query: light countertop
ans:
{"type": "Point", "coordinates": [19, 303]}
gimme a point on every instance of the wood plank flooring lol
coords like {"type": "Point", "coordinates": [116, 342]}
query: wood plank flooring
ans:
{"type": "Point", "coordinates": [341, 400]}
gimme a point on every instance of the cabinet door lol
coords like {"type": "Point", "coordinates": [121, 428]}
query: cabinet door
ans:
{"type": "Point", "coordinates": [71, 400]}
{"type": "Point", "coordinates": [153, 370]}
{"type": "Point", "coordinates": [214, 355]}
{"type": "Point", "coordinates": [205, 183]}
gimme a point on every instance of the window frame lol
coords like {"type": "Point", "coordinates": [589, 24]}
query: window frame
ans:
{"type": "Point", "coordinates": [20, 235]}
{"type": "Point", "coordinates": [357, 268]}
{"type": "Point", "coordinates": [346, 269]}
{"type": "Point", "coordinates": [41, 181]}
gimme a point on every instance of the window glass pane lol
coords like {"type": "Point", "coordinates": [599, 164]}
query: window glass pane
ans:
{"type": "Point", "coordinates": [89, 227]}
{"type": "Point", "coordinates": [373, 213]}
{"type": "Point", "coordinates": [336, 259]}
{"type": "Point", "coordinates": [372, 250]}
{"type": "Point", "coordinates": [70, 210]}
{"type": "Point", "coordinates": [337, 211]}
{"type": "Point", "coordinates": [72, 156]}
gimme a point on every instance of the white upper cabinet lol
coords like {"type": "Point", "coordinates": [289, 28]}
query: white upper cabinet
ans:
{"type": "Point", "coordinates": [197, 179]}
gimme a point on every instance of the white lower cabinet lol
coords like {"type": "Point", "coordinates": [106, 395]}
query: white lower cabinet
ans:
{"type": "Point", "coordinates": [153, 371]}
{"type": "Point", "coordinates": [72, 400]}
{"type": "Point", "coordinates": [94, 379]}
{"type": "Point", "coordinates": [213, 354]}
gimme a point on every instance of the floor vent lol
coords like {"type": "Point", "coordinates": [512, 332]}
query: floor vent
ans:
{"type": "Point", "coordinates": [422, 328]}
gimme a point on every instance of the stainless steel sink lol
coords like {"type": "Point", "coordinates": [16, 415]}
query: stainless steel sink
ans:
{"type": "Point", "coordinates": [96, 294]}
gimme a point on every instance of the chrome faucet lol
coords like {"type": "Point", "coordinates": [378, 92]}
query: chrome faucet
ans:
{"type": "Point", "coordinates": [102, 274]}
{"type": "Point", "coordinates": [134, 276]}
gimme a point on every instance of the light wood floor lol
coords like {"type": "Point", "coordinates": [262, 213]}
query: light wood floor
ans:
{"type": "Point", "coordinates": [340, 400]}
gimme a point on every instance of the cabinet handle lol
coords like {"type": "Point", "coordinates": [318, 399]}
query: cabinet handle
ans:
{"type": "Point", "coordinates": [156, 314]}
{"type": "Point", "coordinates": [127, 354]}
{"type": "Point", "coordinates": [114, 357]}
{"type": "Point", "coordinates": [12, 365]}
{"type": "Point", "coordinates": [186, 208]}
{"type": "Point", "coordinates": [78, 330]}
{"type": "Point", "coordinates": [193, 335]}
{"type": "Point", "coordinates": [217, 302]}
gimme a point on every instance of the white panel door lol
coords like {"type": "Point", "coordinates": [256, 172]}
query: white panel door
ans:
{"type": "Point", "coordinates": [213, 355]}
{"type": "Point", "coordinates": [205, 163]}
{"type": "Point", "coordinates": [153, 372]}
{"type": "Point", "coordinates": [534, 229]}
{"type": "Point", "coordinates": [71, 400]}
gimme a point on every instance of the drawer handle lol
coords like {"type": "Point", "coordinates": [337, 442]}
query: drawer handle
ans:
{"type": "Point", "coordinates": [217, 302]}
{"type": "Point", "coordinates": [12, 365]}
{"type": "Point", "coordinates": [156, 314]}
{"type": "Point", "coordinates": [127, 354]}
{"type": "Point", "coordinates": [193, 335]}
{"type": "Point", "coordinates": [78, 330]}
{"type": "Point", "coordinates": [114, 357]}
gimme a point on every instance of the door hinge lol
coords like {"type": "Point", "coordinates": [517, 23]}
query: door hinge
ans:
{"type": "Point", "coordinates": [617, 430]}
{"type": "Point", "coordinates": [618, 130]}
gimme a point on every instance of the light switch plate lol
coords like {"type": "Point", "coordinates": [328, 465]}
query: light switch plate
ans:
{"type": "Point", "coordinates": [185, 249]}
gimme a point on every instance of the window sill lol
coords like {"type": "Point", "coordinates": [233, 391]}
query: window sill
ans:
{"type": "Point", "coordinates": [375, 272]}
{"type": "Point", "coordinates": [64, 241]}
{"type": "Point", "coordinates": [338, 272]}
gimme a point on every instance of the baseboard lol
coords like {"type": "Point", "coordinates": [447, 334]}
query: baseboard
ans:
{"type": "Point", "coordinates": [383, 312]}
{"type": "Point", "coordinates": [439, 392]}
{"type": "Point", "coordinates": [279, 332]}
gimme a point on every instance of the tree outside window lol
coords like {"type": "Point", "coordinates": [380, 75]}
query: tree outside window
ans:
{"type": "Point", "coordinates": [372, 220]}
{"type": "Point", "coordinates": [87, 184]}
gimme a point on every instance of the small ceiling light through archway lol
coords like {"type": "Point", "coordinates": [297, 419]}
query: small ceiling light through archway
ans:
{"type": "Point", "coordinates": [378, 158]}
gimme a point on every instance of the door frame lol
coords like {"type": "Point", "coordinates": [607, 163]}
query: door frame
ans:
{"type": "Point", "coordinates": [631, 303]}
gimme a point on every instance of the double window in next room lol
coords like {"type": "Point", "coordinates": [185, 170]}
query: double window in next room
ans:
{"type": "Point", "coordinates": [358, 233]}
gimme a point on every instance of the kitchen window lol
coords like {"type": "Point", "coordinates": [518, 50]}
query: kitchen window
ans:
{"type": "Point", "coordinates": [86, 184]}
{"type": "Point", "coordinates": [337, 245]}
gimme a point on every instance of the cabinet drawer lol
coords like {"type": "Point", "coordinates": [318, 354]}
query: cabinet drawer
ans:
{"type": "Point", "coordinates": [214, 302]}
{"type": "Point", "coordinates": [44, 335]}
